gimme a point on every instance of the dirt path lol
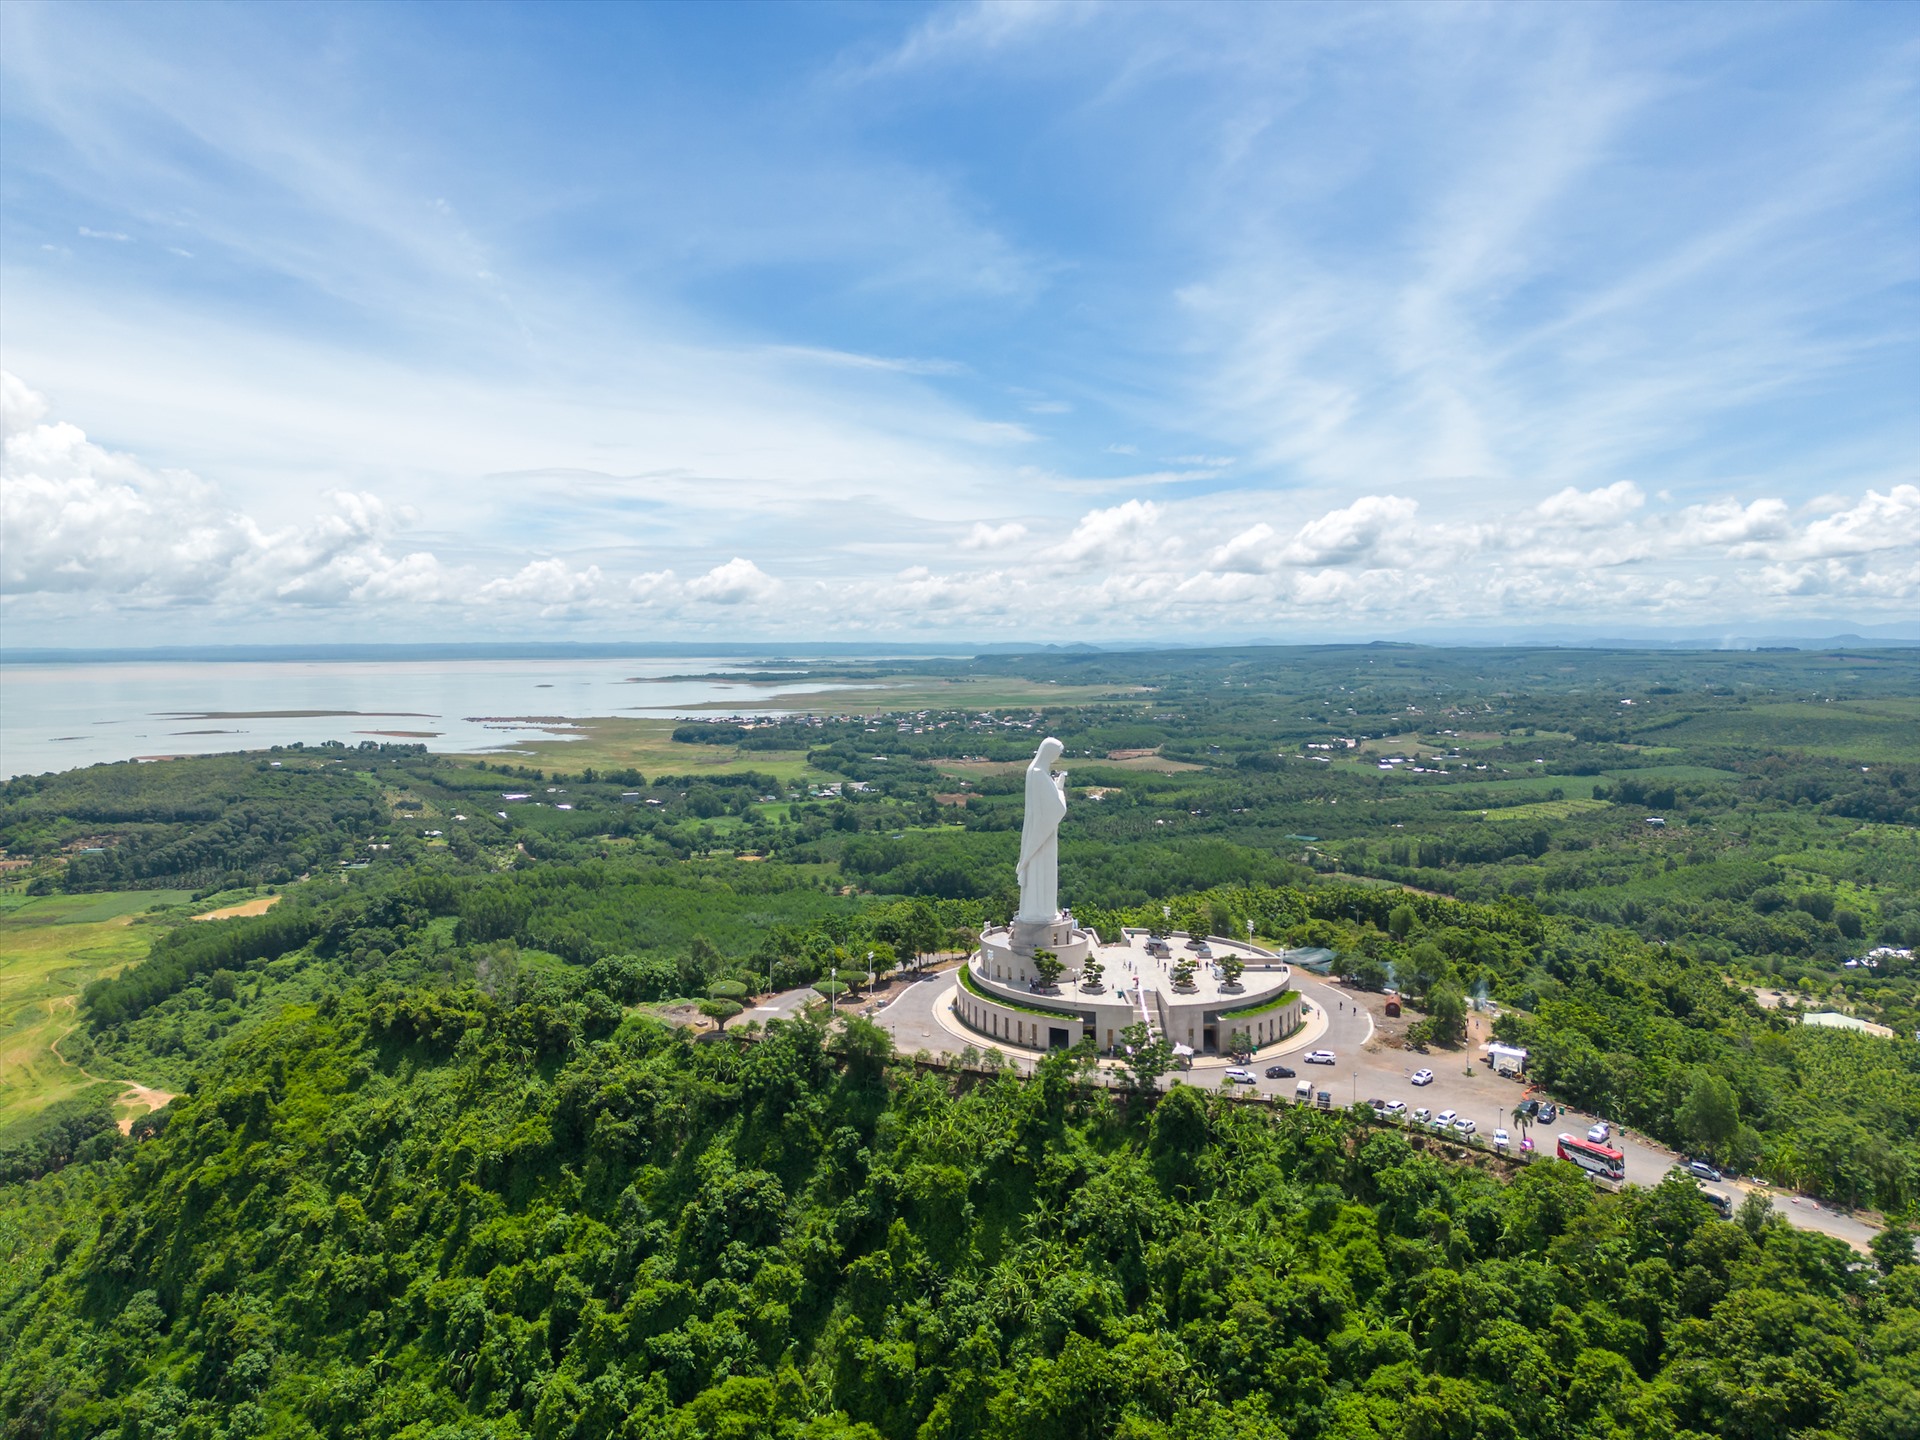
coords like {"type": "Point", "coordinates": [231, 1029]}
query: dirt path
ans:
{"type": "Point", "coordinates": [133, 1093]}
{"type": "Point", "coordinates": [258, 906]}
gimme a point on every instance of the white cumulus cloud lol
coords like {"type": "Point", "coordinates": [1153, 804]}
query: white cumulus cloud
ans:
{"type": "Point", "coordinates": [1879, 522]}
{"type": "Point", "coordinates": [992, 537]}
{"type": "Point", "coordinates": [1250, 551]}
{"type": "Point", "coordinates": [1607, 505]}
{"type": "Point", "coordinates": [1354, 532]}
{"type": "Point", "coordinates": [549, 582]}
{"type": "Point", "coordinates": [1129, 531]}
{"type": "Point", "coordinates": [734, 583]}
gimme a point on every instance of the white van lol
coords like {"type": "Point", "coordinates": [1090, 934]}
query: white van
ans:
{"type": "Point", "coordinates": [1303, 1092]}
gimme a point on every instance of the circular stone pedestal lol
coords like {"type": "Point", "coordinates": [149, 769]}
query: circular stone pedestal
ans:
{"type": "Point", "coordinates": [1006, 952]}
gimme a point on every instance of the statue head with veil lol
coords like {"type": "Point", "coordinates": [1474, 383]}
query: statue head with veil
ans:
{"type": "Point", "coordinates": [1039, 867]}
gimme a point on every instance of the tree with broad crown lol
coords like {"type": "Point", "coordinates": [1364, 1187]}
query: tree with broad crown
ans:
{"type": "Point", "coordinates": [720, 1011]}
{"type": "Point", "coordinates": [1147, 1058]}
{"type": "Point", "coordinates": [1447, 1012]}
{"type": "Point", "coordinates": [1892, 1248]}
{"type": "Point", "coordinates": [1369, 974]}
{"type": "Point", "coordinates": [1711, 1113]}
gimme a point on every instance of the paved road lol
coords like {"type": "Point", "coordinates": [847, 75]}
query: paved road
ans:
{"type": "Point", "coordinates": [1361, 1073]}
{"type": "Point", "coordinates": [783, 1006]}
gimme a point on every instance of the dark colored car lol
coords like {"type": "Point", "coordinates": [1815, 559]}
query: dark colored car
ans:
{"type": "Point", "coordinates": [1547, 1113]}
{"type": "Point", "coordinates": [1530, 1109]}
{"type": "Point", "coordinates": [1279, 1072]}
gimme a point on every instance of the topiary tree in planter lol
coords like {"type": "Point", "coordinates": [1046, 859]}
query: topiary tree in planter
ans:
{"type": "Point", "coordinates": [1232, 967]}
{"type": "Point", "coordinates": [1183, 975]}
{"type": "Point", "coordinates": [1047, 966]}
{"type": "Point", "coordinates": [1093, 975]}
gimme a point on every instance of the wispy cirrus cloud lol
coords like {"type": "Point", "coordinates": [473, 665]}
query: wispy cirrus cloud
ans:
{"type": "Point", "coordinates": [1446, 312]}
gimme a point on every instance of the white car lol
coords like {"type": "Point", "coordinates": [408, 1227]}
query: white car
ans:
{"type": "Point", "coordinates": [1237, 1076]}
{"type": "Point", "coordinates": [1423, 1077]}
{"type": "Point", "coordinates": [1423, 1116]}
{"type": "Point", "coordinates": [1322, 1057]}
{"type": "Point", "coordinates": [1395, 1109]}
{"type": "Point", "coordinates": [1600, 1134]}
{"type": "Point", "coordinates": [1465, 1126]}
{"type": "Point", "coordinates": [1501, 1139]}
{"type": "Point", "coordinates": [1445, 1119]}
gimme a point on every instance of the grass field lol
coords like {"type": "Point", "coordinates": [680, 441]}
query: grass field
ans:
{"type": "Point", "coordinates": [890, 693]}
{"type": "Point", "coordinates": [1547, 810]}
{"type": "Point", "coordinates": [1672, 772]}
{"type": "Point", "coordinates": [649, 747]}
{"type": "Point", "coordinates": [1153, 764]}
{"type": "Point", "coordinates": [646, 742]}
{"type": "Point", "coordinates": [50, 950]}
{"type": "Point", "coordinates": [1513, 787]}
{"type": "Point", "coordinates": [1884, 730]}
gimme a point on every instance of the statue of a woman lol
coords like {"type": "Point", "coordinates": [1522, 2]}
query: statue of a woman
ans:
{"type": "Point", "coordinates": [1039, 868]}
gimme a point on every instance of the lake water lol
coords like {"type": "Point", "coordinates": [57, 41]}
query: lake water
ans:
{"type": "Point", "coordinates": [61, 716]}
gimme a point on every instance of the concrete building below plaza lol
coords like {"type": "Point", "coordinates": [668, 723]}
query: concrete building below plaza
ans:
{"type": "Point", "coordinates": [1102, 989]}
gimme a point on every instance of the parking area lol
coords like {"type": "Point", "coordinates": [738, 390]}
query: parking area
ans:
{"type": "Point", "coordinates": [1369, 1070]}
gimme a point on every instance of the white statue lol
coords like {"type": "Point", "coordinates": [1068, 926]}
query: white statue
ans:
{"type": "Point", "coordinates": [1039, 868]}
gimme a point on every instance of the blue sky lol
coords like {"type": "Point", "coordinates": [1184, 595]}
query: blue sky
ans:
{"type": "Point", "coordinates": [959, 321]}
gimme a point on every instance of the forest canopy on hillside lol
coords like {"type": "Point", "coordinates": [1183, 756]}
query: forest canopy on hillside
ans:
{"type": "Point", "coordinates": [453, 1156]}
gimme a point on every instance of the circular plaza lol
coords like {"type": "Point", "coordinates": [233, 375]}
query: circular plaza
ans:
{"type": "Point", "coordinates": [1049, 986]}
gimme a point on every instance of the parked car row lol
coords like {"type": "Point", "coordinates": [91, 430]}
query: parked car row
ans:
{"type": "Point", "coordinates": [1451, 1121]}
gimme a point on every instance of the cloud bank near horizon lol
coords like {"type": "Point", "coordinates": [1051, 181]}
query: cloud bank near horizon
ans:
{"type": "Point", "coordinates": [84, 528]}
{"type": "Point", "coordinates": [1059, 321]}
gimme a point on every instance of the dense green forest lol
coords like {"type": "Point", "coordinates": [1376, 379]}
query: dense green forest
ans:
{"type": "Point", "coordinates": [399, 1214]}
{"type": "Point", "coordinates": [439, 1167]}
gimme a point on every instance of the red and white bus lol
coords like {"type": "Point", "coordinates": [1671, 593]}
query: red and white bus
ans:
{"type": "Point", "coordinates": [1599, 1160]}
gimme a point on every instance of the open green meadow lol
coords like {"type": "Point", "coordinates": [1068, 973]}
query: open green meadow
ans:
{"type": "Point", "coordinates": [1886, 730]}
{"type": "Point", "coordinates": [51, 948]}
